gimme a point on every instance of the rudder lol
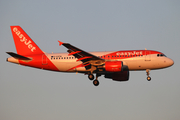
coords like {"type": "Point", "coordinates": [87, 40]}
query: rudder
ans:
{"type": "Point", "coordinates": [24, 44]}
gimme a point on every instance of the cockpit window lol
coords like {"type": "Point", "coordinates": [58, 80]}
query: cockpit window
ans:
{"type": "Point", "coordinates": [161, 55]}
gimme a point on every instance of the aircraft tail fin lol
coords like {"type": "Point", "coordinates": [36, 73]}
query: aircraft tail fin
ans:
{"type": "Point", "coordinates": [24, 44]}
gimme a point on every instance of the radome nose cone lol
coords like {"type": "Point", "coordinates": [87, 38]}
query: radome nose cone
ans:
{"type": "Point", "coordinates": [170, 62]}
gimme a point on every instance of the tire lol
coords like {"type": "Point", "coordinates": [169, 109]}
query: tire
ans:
{"type": "Point", "coordinates": [91, 76]}
{"type": "Point", "coordinates": [149, 78]}
{"type": "Point", "coordinates": [96, 82]}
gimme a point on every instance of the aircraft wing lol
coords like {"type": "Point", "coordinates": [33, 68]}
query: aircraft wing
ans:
{"type": "Point", "coordinates": [82, 55]}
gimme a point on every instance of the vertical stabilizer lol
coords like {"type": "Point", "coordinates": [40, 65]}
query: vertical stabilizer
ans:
{"type": "Point", "coordinates": [24, 44]}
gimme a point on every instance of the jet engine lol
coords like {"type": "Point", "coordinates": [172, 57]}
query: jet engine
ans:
{"type": "Point", "coordinates": [114, 66]}
{"type": "Point", "coordinates": [118, 76]}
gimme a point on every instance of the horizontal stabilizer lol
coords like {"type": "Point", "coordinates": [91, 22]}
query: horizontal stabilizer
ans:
{"type": "Point", "coordinates": [20, 57]}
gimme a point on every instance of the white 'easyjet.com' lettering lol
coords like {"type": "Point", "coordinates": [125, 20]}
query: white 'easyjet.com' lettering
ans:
{"type": "Point", "coordinates": [129, 53]}
{"type": "Point", "coordinates": [23, 39]}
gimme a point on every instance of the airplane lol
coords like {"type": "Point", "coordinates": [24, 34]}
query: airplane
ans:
{"type": "Point", "coordinates": [113, 65]}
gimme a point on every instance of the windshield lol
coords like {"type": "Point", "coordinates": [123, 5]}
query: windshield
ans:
{"type": "Point", "coordinates": [161, 55]}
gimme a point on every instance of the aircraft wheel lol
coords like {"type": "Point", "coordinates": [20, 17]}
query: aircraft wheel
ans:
{"type": "Point", "coordinates": [91, 76]}
{"type": "Point", "coordinates": [96, 82]}
{"type": "Point", "coordinates": [149, 78]}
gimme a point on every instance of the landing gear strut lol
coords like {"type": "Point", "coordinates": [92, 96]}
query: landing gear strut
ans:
{"type": "Point", "coordinates": [91, 77]}
{"type": "Point", "coordinates": [96, 82]}
{"type": "Point", "coordinates": [148, 77]}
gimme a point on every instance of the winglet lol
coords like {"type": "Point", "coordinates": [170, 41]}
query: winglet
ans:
{"type": "Point", "coordinates": [60, 43]}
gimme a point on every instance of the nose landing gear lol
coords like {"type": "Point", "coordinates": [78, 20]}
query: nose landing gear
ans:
{"type": "Point", "coordinates": [147, 73]}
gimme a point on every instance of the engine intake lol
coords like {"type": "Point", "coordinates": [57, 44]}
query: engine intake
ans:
{"type": "Point", "coordinates": [114, 66]}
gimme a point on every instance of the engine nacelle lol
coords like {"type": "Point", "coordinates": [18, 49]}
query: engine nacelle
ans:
{"type": "Point", "coordinates": [114, 66]}
{"type": "Point", "coordinates": [118, 76]}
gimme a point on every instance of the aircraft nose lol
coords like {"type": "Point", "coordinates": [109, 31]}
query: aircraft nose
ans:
{"type": "Point", "coordinates": [170, 62]}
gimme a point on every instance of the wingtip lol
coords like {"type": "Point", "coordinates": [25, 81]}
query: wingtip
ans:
{"type": "Point", "coordinates": [60, 43]}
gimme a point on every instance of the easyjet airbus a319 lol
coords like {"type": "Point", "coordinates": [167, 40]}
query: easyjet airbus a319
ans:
{"type": "Point", "coordinates": [114, 65]}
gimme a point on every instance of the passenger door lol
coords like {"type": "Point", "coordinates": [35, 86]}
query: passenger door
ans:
{"type": "Point", "coordinates": [44, 60]}
{"type": "Point", "coordinates": [148, 56]}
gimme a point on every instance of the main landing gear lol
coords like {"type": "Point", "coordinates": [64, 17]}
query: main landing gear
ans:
{"type": "Point", "coordinates": [148, 77]}
{"type": "Point", "coordinates": [91, 76]}
{"type": "Point", "coordinates": [95, 82]}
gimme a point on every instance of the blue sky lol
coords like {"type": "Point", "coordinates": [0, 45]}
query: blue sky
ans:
{"type": "Point", "coordinates": [96, 25]}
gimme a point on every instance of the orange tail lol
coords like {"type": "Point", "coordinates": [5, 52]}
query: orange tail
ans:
{"type": "Point", "coordinates": [24, 44]}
